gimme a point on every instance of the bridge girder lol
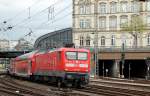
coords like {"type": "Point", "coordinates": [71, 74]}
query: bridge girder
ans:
{"type": "Point", "coordinates": [12, 54]}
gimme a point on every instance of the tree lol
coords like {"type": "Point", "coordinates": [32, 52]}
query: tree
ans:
{"type": "Point", "coordinates": [135, 27]}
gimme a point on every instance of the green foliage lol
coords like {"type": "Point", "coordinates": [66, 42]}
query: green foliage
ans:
{"type": "Point", "coordinates": [135, 27]}
{"type": "Point", "coordinates": [148, 58]}
{"type": "Point", "coordinates": [136, 24]}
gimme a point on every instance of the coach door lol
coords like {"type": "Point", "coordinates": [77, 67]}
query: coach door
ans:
{"type": "Point", "coordinates": [13, 68]}
{"type": "Point", "coordinates": [58, 60]}
{"type": "Point", "coordinates": [29, 67]}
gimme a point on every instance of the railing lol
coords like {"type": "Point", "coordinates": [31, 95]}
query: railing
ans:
{"type": "Point", "coordinates": [118, 48]}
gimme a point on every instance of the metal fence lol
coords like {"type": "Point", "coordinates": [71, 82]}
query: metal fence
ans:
{"type": "Point", "coordinates": [118, 48]}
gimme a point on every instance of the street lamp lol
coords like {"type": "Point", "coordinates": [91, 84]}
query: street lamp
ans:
{"type": "Point", "coordinates": [129, 71]}
{"type": "Point", "coordinates": [122, 59]}
{"type": "Point", "coordinates": [96, 73]}
{"type": "Point", "coordinates": [148, 67]}
{"type": "Point", "coordinates": [103, 70]}
{"type": "Point", "coordinates": [96, 69]}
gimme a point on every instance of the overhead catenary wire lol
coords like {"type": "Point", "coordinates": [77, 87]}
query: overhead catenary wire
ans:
{"type": "Point", "coordinates": [52, 20]}
{"type": "Point", "coordinates": [6, 23]}
{"type": "Point", "coordinates": [9, 27]}
{"type": "Point", "coordinates": [20, 13]}
{"type": "Point", "coordinates": [59, 12]}
{"type": "Point", "coordinates": [26, 19]}
{"type": "Point", "coordinates": [56, 20]}
{"type": "Point", "coordinates": [36, 14]}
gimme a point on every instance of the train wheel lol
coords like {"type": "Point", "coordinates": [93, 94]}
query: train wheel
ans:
{"type": "Point", "coordinates": [32, 78]}
{"type": "Point", "coordinates": [69, 85]}
{"type": "Point", "coordinates": [80, 86]}
{"type": "Point", "coordinates": [59, 84]}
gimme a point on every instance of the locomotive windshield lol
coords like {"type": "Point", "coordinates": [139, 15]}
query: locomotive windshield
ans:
{"type": "Point", "coordinates": [82, 56]}
{"type": "Point", "coordinates": [76, 55]}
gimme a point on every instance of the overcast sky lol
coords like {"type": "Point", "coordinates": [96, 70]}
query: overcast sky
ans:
{"type": "Point", "coordinates": [16, 13]}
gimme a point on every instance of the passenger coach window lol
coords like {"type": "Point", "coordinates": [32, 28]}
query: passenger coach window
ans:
{"type": "Point", "coordinates": [82, 56]}
{"type": "Point", "coordinates": [71, 55]}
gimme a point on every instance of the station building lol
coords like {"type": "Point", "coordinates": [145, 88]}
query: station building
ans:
{"type": "Point", "coordinates": [54, 39]}
{"type": "Point", "coordinates": [99, 23]}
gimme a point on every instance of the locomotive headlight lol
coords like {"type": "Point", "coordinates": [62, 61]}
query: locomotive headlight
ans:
{"type": "Point", "coordinates": [70, 65]}
{"type": "Point", "coordinates": [66, 69]}
{"type": "Point", "coordinates": [83, 65]}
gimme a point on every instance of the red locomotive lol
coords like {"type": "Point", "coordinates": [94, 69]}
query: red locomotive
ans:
{"type": "Point", "coordinates": [69, 66]}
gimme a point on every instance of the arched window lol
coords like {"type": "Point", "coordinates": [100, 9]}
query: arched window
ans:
{"type": "Point", "coordinates": [102, 22]}
{"type": "Point", "coordinates": [134, 6]}
{"type": "Point", "coordinates": [84, 23]}
{"type": "Point", "coordinates": [134, 21]}
{"type": "Point", "coordinates": [81, 2]}
{"type": "Point", "coordinates": [102, 8]}
{"type": "Point", "coordinates": [103, 41]}
{"type": "Point", "coordinates": [113, 21]}
{"type": "Point", "coordinates": [113, 40]}
{"type": "Point", "coordinates": [123, 6]}
{"type": "Point", "coordinates": [148, 39]}
{"type": "Point", "coordinates": [148, 5]}
{"type": "Point", "coordinates": [81, 40]}
{"type": "Point", "coordinates": [148, 20]}
{"type": "Point", "coordinates": [88, 9]}
{"type": "Point", "coordinates": [123, 21]}
{"type": "Point", "coordinates": [84, 7]}
{"type": "Point", "coordinates": [88, 41]}
{"type": "Point", "coordinates": [113, 7]}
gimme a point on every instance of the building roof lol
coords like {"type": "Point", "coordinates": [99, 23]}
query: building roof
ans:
{"type": "Point", "coordinates": [50, 34]}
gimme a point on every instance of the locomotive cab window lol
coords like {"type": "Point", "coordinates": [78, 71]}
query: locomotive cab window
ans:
{"type": "Point", "coordinates": [71, 55]}
{"type": "Point", "coordinates": [82, 55]}
{"type": "Point", "coordinates": [76, 55]}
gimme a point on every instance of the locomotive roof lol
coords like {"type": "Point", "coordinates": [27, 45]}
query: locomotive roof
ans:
{"type": "Point", "coordinates": [73, 49]}
{"type": "Point", "coordinates": [26, 56]}
{"type": "Point", "coordinates": [37, 52]}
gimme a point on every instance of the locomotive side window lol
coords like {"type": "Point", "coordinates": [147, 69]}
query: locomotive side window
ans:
{"type": "Point", "coordinates": [71, 55]}
{"type": "Point", "coordinates": [82, 55]}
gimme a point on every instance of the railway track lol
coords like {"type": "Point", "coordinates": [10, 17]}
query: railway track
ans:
{"type": "Point", "coordinates": [9, 86]}
{"type": "Point", "coordinates": [123, 85]}
{"type": "Point", "coordinates": [118, 91]}
{"type": "Point", "coordinates": [133, 80]}
{"type": "Point", "coordinates": [21, 90]}
{"type": "Point", "coordinates": [102, 87]}
{"type": "Point", "coordinates": [109, 91]}
{"type": "Point", "coordinates": [7, 92]}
